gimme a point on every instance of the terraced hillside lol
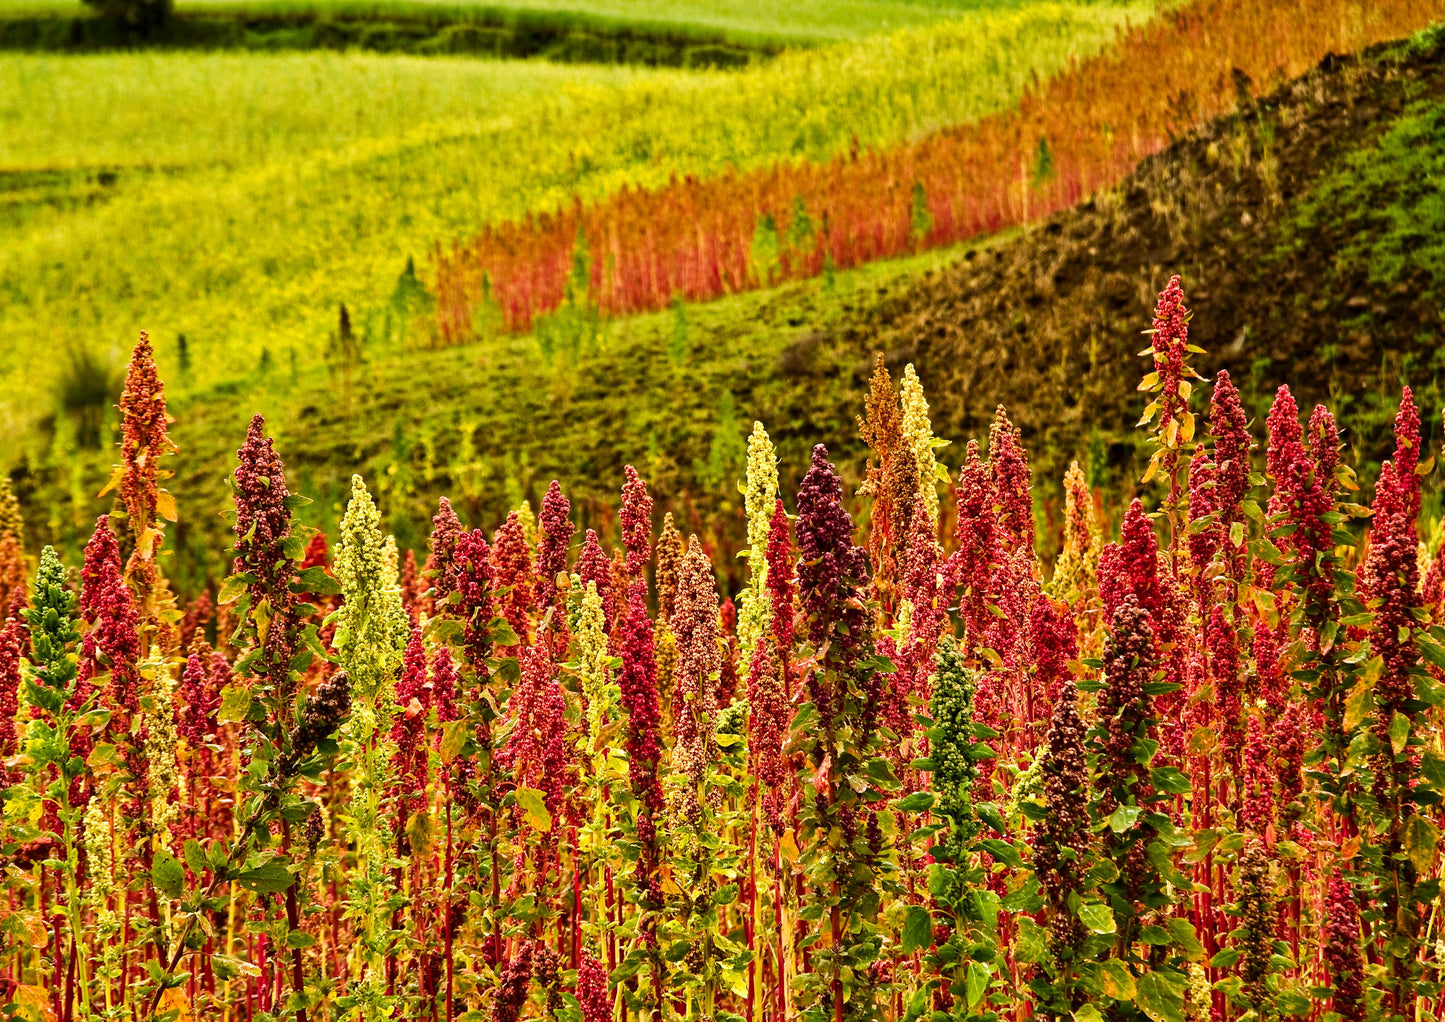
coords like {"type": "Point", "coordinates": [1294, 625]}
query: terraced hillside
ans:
{"type": "Point", "coordinates": [237, 199]}
{"type": "Point", "coordinates": [1342, 307]}
{"type": "Point", "coordinates": [1307, 227]}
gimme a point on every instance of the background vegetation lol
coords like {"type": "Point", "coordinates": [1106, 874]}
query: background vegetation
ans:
{"type": "Point", "coordinates": [739, 22]}
{"type": "Point", "coordinates": [245, 235]}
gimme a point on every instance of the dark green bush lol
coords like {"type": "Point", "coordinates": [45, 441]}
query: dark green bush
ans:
{"type": "Point", "coordinates": [140, 13]}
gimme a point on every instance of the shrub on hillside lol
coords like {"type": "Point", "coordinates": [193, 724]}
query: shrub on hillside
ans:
{"type": "Point", "coordinates": [140, 13]}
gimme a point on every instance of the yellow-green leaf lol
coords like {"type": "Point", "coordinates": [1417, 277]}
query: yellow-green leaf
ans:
{"type": "Point", "coordinates": [1399, 732]}
{"type": "Point", "coordinates": [1421, 840]}
{"type": "Point", "coordinates": [534, 808]}
{"type": "Point", "coordinates": [235, 704]}
{"type": "Point", "coordinates": [1097, 916]}
{"type": "Point", "coordinates": [1358, 704]}
{"type": "Point", "coordinates": [1118, 982]}
{"type": "Point", "coordinates": [454, 738]}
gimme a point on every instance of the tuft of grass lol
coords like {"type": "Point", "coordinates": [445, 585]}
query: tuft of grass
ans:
{"type": "Point", "coordinates": [85, 393]}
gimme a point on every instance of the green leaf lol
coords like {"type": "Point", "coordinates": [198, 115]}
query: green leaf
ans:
{"type": "Point", "coordinates": [1421, 840]}
{"type": "Point", "coordinates": [93, 719]}
{"type": "Point", "coordinates": [1097, 916]}
{"type": "Point", "coordinates": [1124, 817]}
{"type": "Point", "coordinates": [443, 629]}
{"type": "Point", "coordinates": [628, 967]}
{"type": "Point", "coordinates": [988, 905]}
{"type": "Point", "coordinates": [1200, 524]}
{"type": "Point", "coordinates": [167, 874]}
{"type": "Point", "coordinates": [297, 812]}
{"type": "Point", "coordinates": [316, 582]}
{"type": "Point", "coordinates": [881, 772]}
{"type": "Point", "coordinates": [1003, 851]}
{"type": "Point", "coordinates": [1118, 981]}
{"type": "Point", "coordinates": [534, 808]}
{"type": "Point", "coordinates": [1399, 732]}
{"type": "Point", "coordinates": [455, 734]}
{"type": "Point", "coordinates": [1160, 995]}
{"type": "Point", "coordinates": [978, 977]}
{"type": "Point", "coordinates": [235, 704]}
{"type": "Point", "coordinates": [1170, 780]}
{"type": "Point", "coordinates": [916, 1005]}
{"type": "Point", "coordinates": [1432, 769]}
{"type": "Point", "coordinates": [918, 802]}
{"type": "Point", "coordinates": [195, 856]}
{"type": "Point", "coordinates": [678, 951]}
{"type": "Point", "coordinates": [1432, 651]}
{"type": "Point", "coordinates": [1032, 943]}
{"type": "Point", "coordinates": [501, 634]}
{"type": "Point", "coordinates": [299, 939]}
{"type": "Point", "coordinates": [989, 814]}
{"type": "Point", "coordinates": [1226, 959]}
{"type": "Point", "coordinates": [1087, 1013]}
{"type": "Point", "coordinates": [234, 587]}
{"type": "Point", "coordinates": [269, 878]}
{"type": "Point", "coordinates": [1292, 1002]}
{"type": "Point", "coordinates": [1159, 854]}
{"type": "Point", "coordinates": [725, 895]}
{"type": "Point", "coordinates": [1183, 933]}
{"type": "Point", "coordinates": [917, 929]}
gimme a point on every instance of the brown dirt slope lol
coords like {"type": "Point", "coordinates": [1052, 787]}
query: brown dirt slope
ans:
{"type": "Point", "coordinates": [1049, 323]}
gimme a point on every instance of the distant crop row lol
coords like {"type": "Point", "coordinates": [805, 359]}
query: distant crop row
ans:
{"type": "Point", "coordinates": [698, 237]}
{"type": "Point", "coordinates": [1192, 774]}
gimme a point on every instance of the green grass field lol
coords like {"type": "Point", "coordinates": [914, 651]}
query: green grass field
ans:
{"type": "Point", "coordinates": [239, 198]}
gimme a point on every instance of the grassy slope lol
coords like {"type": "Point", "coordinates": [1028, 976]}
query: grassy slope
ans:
{"type": "Point", "coordinates": [673, 393]}
{"type": "Point", "coordinates": [314, 176]}
{"type": "Point", "coordinates": [800, 22]}
{"type": "Point", "coordinates": [1317, 288]}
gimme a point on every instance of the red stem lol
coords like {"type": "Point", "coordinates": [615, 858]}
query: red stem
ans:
{"type": "Point", "coordinates": [447, 910]}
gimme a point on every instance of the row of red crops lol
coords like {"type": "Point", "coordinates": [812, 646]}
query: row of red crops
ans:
{"type": "Point", "coordinates": [1083, 130]}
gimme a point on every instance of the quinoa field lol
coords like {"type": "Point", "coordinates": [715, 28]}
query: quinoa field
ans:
{"type": "Point", "coordinates": [935, 520]}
